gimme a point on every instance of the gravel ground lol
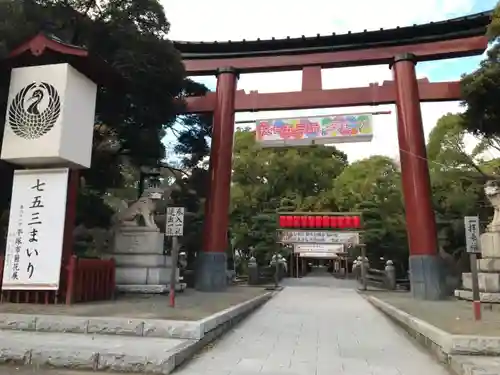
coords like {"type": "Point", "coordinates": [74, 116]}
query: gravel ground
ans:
{"type": "Point", "coordinates": [190, 305]}
{"type": "Point", "coordinates": [453, 316]}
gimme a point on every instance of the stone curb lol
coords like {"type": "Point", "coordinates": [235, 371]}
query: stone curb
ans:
{"type": "Point", "coordinates": [438, 341]}
{"type": "Point", "coordinates": [433, 338]}
{"type": "Point", "coordinates": [86, 359]}
{"type": "Point", "coordinates": [211, 322]}
{"type": "Point", "coordinates": [474, 365]}
{"type": "Point", "coordinates": [82, 358]}
{"type": "Point", "coordinates": [178, 329]}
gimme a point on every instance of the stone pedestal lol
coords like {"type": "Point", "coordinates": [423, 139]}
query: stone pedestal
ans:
{"type": "Point", "coordinates": [488, 271]}
{"type": "Point", "coordinates": [141, 266]}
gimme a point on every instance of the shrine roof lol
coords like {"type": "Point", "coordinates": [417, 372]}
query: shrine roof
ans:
{"type": "Point", "coordinates": [45, 49]}
{"type": "Point", "coordinates": [456, 28]}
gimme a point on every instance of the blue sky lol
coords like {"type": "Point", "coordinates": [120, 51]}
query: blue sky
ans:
{"type": "Point", "coordinates": [452, 69]}
{"type": "Point", "coordinates": [222, 20]}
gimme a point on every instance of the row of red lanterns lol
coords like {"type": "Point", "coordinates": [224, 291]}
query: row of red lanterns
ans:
{"type": "Point", "coordinates": [343, 222]}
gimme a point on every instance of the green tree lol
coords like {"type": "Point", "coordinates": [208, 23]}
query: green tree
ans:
{"type": "Point", "coordinates": [372, 186]}
{"type": "Point", "coordinates": [481, 89]}
{"type": "Point", "coordinates": [192, 150]}
{"type": "Point", "coordinates": [131, 36]}
{"type": "Point", "coordinates": [269, 180]}
{"type": "Point", "coordinates": [457, 178]}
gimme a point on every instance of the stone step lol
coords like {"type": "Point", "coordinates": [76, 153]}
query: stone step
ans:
{"type": "Point", "coordinates": [112, 344]}
{"type": "Point", "coordinates": [149, 289]}
{"type": "Point", "coordinates": [142, 260]}
{"type": "Point", "coordinates": [143, 275]}
{"type": "Point", "coordinates": [488, 265]}
{"type": "Point", "coordinates": [94, 352]}
{"type": "Point", "coordinates": [475, 365]}
{"type": "Point", "coordinates": [488, 282]}
{"type": "Point", "coordinates": [176, 329]}
{"type": "Point", "coordinates": [122, 326]}
{"type": "Point", "coordinates": [484, 297]}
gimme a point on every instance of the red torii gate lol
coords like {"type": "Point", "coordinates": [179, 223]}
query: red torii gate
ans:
{"type": "Point", "coordinates": [400, 49]}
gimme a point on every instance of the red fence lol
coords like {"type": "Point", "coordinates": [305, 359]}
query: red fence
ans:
{"type": "Point", "coordinates": [84, 280]}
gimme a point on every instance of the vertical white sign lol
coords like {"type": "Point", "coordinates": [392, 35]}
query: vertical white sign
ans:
{"type": "Point", "coordinates": [36, 230]}
{"type": "Point", "coordinates": [471, 224]}
{"type": "Point", "coordinates": [175, 221]}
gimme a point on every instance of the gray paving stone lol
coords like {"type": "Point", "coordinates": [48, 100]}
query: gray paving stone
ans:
{"type": "Point", "coordinates": [73, 324]}
{"type": "Point", "coordinates": [315, 326]}
{"type": "Point", "coordinates": [89, 352]}
{"type": "Point", "coordinates": [64, 357]}
{"type": "Point", "coordinates": [132, 327]}
{"type": "Point", "coordinates": [475, 365]}
{"type": "Point", "coordinates": [17, 321]}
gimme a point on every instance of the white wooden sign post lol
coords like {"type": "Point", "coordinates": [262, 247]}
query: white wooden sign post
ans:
{"type": "Point", "coordinates": [36, 228]}
{"type": "Point", "coordinates": [471, 224]}
{"type": "Point", "coordinates": [175, 229]}
{"type": "Point", "coordinates": [49, 123]}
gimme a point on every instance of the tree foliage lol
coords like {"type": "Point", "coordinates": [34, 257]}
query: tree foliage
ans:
{"type": "Point", "coordinates": [372, 187]}
{"type": "Point", "coordinates": [457, 176]}
{"type": "Point", "coordinates": [319, 179]}
{"type": "Point", "coordinates": [131, 37]}
{"type": "Point", "coordinates": [481, 88]}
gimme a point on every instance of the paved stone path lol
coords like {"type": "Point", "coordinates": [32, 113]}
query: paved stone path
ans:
{"type": "Point", "coordinates": [315, 326]}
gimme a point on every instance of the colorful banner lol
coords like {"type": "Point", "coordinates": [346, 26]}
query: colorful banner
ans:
{"type": "Point", "coordinates": [321, 130]}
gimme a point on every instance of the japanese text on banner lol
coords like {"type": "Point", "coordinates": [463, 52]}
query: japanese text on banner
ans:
{"type": "Point", "coordinates": [36, 228]}
{"type": "Point", "coordinates": [34, 222]}
{"type": "Point", "coordinates": [18, 244]}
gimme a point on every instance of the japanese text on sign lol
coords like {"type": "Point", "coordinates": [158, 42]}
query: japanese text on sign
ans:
{"type": "Point", "coordinates": [36, 227]}
{"type": "Point", "coordinates": [318, 248]}
{"type": "Point", "coordinates": [34, 222]}
{"type": "Point", "coordinates": [175, 221]}
{"type": "Point", "coordinates": [18, 244]}
{"type": "Point", "coordinates": [471, 224]}
{"type": "Point", "coordinates": [320, 237]}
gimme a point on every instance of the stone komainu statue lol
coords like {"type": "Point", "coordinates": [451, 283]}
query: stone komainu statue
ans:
{"type": "Point", "coordinates": [492, 192]}
{"type": "Point", "coordinates": [141, 212]}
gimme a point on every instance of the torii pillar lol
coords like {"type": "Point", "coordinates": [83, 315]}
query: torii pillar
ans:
{"type": "Point", "coordinates": [212, 260]}
{"type": "Point", "coordinates": [425, 267]}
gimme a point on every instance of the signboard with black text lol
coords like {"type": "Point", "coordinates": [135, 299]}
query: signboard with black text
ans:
{"type": "Point", "coordinates": [36, 230]}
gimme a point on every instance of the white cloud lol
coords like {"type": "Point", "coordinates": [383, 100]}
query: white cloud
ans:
{"type": "Point", "coordinates": [200, 20]}
{"type": "Point", "coordinates": [236, 20]}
